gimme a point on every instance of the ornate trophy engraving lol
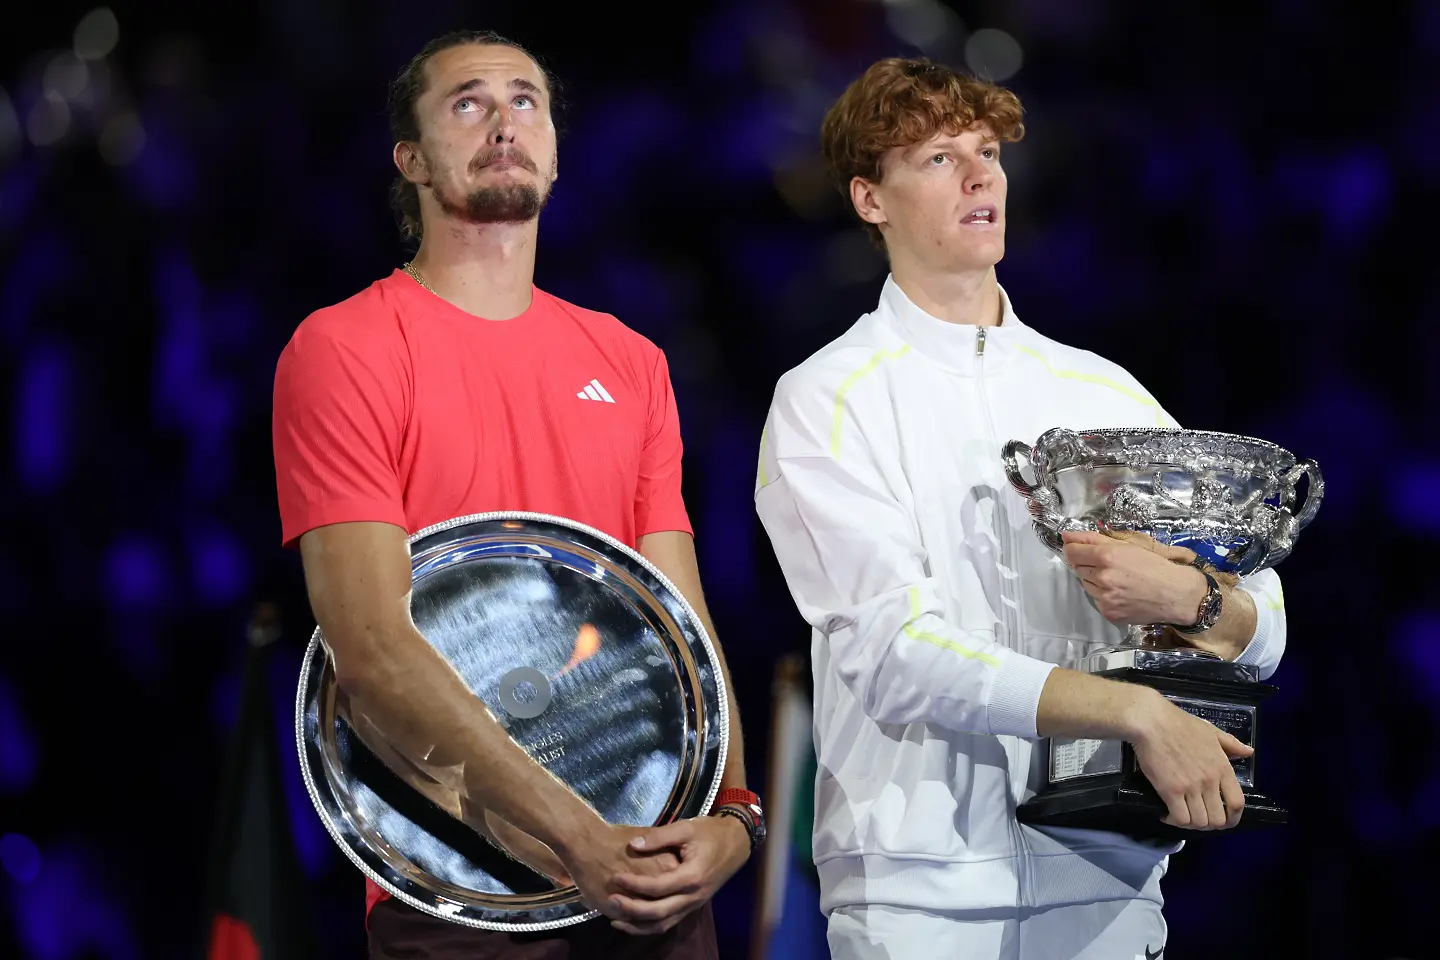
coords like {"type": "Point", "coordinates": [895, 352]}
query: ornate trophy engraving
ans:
{"type": "Point", "coordinates": [1235, 501]}
{"type": "Point", "coordinates": [586, 654]}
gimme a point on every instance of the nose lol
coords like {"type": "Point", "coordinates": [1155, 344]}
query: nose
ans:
{"type": "Point", "coordinates": [504, 131]}
{"type": "Point", "coordinates": [978, 176]}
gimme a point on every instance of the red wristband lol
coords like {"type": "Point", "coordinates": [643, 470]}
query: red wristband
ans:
{"type": "Point", "coordinates": [736, 795]}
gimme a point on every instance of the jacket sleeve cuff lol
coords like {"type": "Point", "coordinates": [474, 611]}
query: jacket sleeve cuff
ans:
{"type": "Point", "coordinates": [1257, 652]}
{"type": "Point", "coordinates": [1015, 696]}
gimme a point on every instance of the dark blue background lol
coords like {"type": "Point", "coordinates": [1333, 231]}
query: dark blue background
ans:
{"type": "Point", "coordinates": [1235, 201]}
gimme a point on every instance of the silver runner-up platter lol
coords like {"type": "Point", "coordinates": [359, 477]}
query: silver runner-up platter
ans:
{"type": "Point", "coordinates": [1239, 504]}
{"type": "Point", "coordinates": [591, 660]}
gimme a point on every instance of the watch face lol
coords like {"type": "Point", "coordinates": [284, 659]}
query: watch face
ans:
{"type": "Point", "coordinates": [1210, 609]}
{"type": "Point", "coordinates": [757, 823]}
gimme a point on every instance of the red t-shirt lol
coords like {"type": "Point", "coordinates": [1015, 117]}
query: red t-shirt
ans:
{"type": "Point", "coordinates": [397, 406]}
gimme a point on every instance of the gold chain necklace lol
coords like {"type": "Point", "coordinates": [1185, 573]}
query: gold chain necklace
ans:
{"type": "Point", "coordinates": [410, 269]}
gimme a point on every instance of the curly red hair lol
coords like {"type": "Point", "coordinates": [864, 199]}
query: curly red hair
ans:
{"type": "Point", "coordinates": [898, 102]}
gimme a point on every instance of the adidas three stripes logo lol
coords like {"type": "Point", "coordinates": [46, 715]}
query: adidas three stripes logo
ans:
{"type": "Point", "coordinates": [593, 391]}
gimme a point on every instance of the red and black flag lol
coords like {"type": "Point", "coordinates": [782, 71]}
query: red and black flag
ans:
{"type": "Point", "coordinates": [256, 885]}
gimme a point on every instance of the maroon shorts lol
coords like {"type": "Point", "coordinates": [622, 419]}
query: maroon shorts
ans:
{"type": "Point", "coordinates": [398, 932]}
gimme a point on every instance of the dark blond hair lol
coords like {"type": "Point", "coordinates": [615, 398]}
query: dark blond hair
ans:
{"type": "Point", "coordinates": [900, 102]}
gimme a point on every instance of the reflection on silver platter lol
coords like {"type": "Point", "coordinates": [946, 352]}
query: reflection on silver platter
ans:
{"type": "Point", "coordinates": [591, 659]}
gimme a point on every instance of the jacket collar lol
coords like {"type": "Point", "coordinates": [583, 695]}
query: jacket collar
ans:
{"type": "Point", "coordinates": [954, 345]}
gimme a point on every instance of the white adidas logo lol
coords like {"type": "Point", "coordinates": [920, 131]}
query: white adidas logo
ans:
{"type": "Point", "coordinates": [593, 391]}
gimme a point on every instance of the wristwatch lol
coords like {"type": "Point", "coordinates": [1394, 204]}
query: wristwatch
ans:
{"type": "Point", "coordinates": [1210, 606]}
{"type": "Point", "coordinates": [745, 807]}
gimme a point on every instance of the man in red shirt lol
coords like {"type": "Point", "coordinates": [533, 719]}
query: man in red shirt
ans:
{"type": "Point", "coordinates": [454, 386]}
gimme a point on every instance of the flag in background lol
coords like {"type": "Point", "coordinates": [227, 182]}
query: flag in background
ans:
{"type": "Point", "coordinates": [788, 923]}
{"type": "Point", "coordinates": [254, 909]}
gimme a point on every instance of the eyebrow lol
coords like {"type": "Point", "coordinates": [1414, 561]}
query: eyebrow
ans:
{"type": "Point", "coordinates": [475, 83]}
{"type": "Point", "coordinates": [926, 146]}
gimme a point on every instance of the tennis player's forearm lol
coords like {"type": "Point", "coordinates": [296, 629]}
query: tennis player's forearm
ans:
{"type": "Point", "coordinates": [673, 552]}
{"type": "Point", "coordinates": [1074, 704]}
{"type": "Point", "coordinates": [403, 693]}
{"type": "Point", "coordinates": [413, 698]}
{"type": "Point", "coordinates": [733, 776]}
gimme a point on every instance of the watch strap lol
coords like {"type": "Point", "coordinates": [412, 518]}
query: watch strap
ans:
{"type": "Point", "coordinates": [743, 805]}
{"type": "Point", "coordinates": [745, 821]}
{"type": "Point", "coordinates": [1209, 612]}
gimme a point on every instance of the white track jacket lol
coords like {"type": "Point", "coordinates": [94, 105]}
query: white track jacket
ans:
{"type": "Point", "coordinates": [937, 614]}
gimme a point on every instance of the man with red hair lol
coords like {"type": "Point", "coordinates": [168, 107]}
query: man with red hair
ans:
{"type": "Point", "coordinates": [941, 624]}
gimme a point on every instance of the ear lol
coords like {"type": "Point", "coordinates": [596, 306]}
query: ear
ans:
{"type": "Point", "coordinates": [866, 198]}
{"type": "Point", "coordinates": [411, 163]}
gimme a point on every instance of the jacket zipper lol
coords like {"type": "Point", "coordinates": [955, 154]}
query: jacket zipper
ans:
{"type": "Point", "coordinates": [1011, 623]}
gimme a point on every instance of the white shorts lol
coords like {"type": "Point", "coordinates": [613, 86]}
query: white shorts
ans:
{"type": "Point", "coordinates": [1113, 930]}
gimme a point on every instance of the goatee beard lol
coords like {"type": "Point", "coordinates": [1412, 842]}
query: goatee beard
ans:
{"type": "Point", "coordinates": [512, 203]}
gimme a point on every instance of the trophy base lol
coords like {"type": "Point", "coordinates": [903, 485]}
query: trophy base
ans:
{"type": "Point", "coordinates": [1098, 784]}
{"type": "Point", "coordinates": [1129, 805]}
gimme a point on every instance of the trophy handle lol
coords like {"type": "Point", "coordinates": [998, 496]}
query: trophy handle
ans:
{"type": "Point", "coordinates": [1062, 445]}
{"type": "Point", "coordinates": [1048, 522]}
{"type": "Point", "coordinates": [1011, 455]}
{"type": "Point", "coordinates": [1278, 526]}
{"type": "Point", "coordinates": [1314, 493]}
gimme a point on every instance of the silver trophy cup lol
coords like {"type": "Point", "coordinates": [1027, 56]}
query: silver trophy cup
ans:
{"type": "Point", "coordinates": [592, 661]}
{"type": "Point", "coordinates": [1237, 503]}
